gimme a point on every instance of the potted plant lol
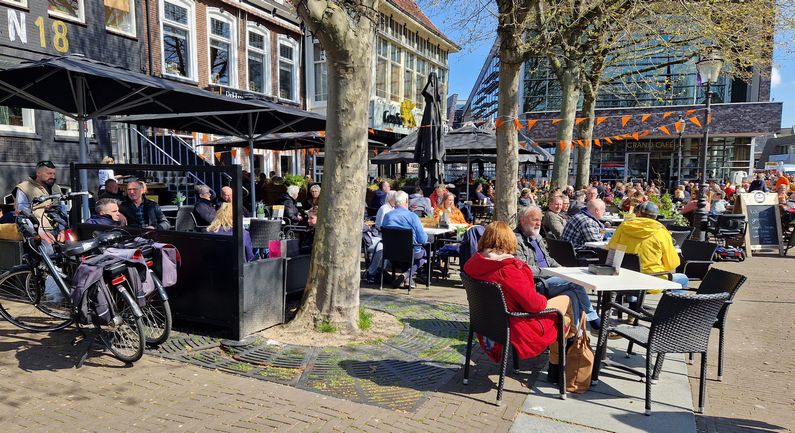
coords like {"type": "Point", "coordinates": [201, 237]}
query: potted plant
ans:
{"type": "Point", "coordinates": [179, 199]}
{"type": "Point", "coordinates": [261, 210]}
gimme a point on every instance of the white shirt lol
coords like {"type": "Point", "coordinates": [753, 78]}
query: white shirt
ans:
{"type": "Point", "coordinates": [383, 210]}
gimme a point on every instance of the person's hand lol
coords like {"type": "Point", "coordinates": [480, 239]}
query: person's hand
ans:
{"type": "Point", "coordinates": [62, 237]}
{"type": "Point", "coordinates": [150, 227]}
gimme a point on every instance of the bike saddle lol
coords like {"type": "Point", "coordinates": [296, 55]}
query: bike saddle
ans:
{"type": "Point", "coordinates": [78, 248]}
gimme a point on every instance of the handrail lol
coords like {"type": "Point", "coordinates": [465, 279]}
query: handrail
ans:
{"type": "Point", "coordinates": [166, 154]}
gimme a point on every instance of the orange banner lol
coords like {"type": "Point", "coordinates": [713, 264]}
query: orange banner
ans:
{"type": "Point", "coordinates": [517, 124]}
{"type": "Point", "coordinates": [695, 121]}
{"type": "Point", "coordinates": [625, 120]}
{"type": "Point", "coordinates": [636, 135]}
{"type": "Point", "coordinates": [667, 114]}
{"type": "Point", "coordinates": [555, 121]}
{"type": "Point", "coordinates": [600, 120]}
{"type": "Point", "coordinates": [578, 120]}
{"type": "Point", "coordinates": [531, 124]}
{"type": "Point", "coordinates": [664, 130]}
{"type": "Point", "coordinates": [644, 118]}
{"type": "Point", "coordinates": [498, 123]}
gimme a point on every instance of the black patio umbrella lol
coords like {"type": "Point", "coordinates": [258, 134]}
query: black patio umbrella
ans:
{"type": "Point", "coordinates": [429, 149]}
{"type": "Point", "coordinates": [86, 89]}
{"type": "Point", "coordinates": [286, 141]}
{"type": "Point", "coordinates": [262, 119]}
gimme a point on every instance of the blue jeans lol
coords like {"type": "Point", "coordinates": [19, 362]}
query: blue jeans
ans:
{"type": "Point", "coordinates": [681, 279]}
{"type": "Point", "coordinates": [579, 298]}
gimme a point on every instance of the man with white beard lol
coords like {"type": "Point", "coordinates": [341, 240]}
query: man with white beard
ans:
{"type": "Point", "coordinates": [532, 249]}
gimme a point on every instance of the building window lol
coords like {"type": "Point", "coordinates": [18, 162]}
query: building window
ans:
{"type": "Point", "coordinates": [381, 51]}
{"type": "Point", "coordinates": [321, 73]}
{"type": "Point", "coordinates": [68, 127]}
{"type": "Point", "coordinates": [288, 71]}
{"type": "Point", "coordinates": [14, 119]}
{"type": "Point", "coordinates": [421, 78]}
{"type": "Point", "coordinates": [394, 73]}
{"type": "Point", "coordinates": [408, 78]}
{"type": "Point", "coordinates": [221, 51]}
{"type": "Point", "coordinates": [69, 9]}
{"type": "Point", "coordinates": [20, 3]}
{"type": "Point", "coordinates": [120, 16]}
{"type": "Point", "coordinates": [258, 43]}
{"type": "Point", "coordinates": [178, 49]}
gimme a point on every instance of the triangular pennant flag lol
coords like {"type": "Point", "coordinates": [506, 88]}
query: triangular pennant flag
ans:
{"type": "Point", "coordinates": [689, 112]}
{"type": "Point", "coordinates": [667, 114]}
{"type": "Point", "coordinates": [321, 134]}
{"type": "Point", "coordinates": [563, 144]}
{"type": "Point", "coordinates": [625, 120]}
{"type": "Point", "coordinates": [679, 127]}
{"type": "Point", "coordinates": [618, 137]}
{"type": "Point", "coordinates": [247, 150]}
{"type": "Point", "coordinates": [709, 118]}
{"type": "Point", "coordinates": [517, 124]}
{"type": "Point", "coordinates": [601, 119]}
{"type": "Point", "coordinates": [645, 133]}
{"type": "Point", "coordinates": [597, 142]}
{"type": "Point", "coordinates": [371, 131]}
{"type": "Point", "coordinates": [588, 143]}
{"type": "Point", "coordinates": [531, 124]}
{"type": "Point", "coordinates": [608, 140]}
{"type": "Point", "coordinates": [695, 121]}
{"type": "Point", "coordinates": [664, 130]}
{"type": "Point", "coordinates": [234, 153]}
{"type": "Point", "coordinates": [627, 135]}
{"type": "Point", "coordinates": [555, 121]}
{"type": "Point", "coordinates": [578, 120]}
{"type": "Point", "coordinates": [578, 143]}
{"type": "Point", "coordinates": [498, 123]}
{"type": "Point", "coordinates": [636, 136]}
{"type": "Point", "coordinates": [644, 118]}
{"type": "Point", "coordinates": [217, 155]}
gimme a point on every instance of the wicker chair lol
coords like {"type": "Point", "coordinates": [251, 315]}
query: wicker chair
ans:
{"type": "Point", "coordinates": [398, 248]}
{"type": "Point", "coordinates": [262, 232]}
{"type": "Point", "coordinates": [696, 258]}
{"type": "Point", "coordinates": [563, 253]}
{"type": "Point", "coordinates": [488, 316]}
{"type": "Point", "coordinates": [681, 324]}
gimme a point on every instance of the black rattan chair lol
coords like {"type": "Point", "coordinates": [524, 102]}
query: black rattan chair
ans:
{"type": "Point", "coordinates": [488, 316]}
{"type": "Point", "coordinates": [680, 237]}
{"type": "Point", "coordinates": [681, 324]}
{"type": "Point", "coordinates": [186, 222]}
{"type": "Point", "coordinates": [728, 227]}
{"type": "Point", "coordinates": [563, 253]}
{"type": "Point", "coordinates": [398, 248]}
{"type": "Point", "coordinates": [697, 257]}
{"type": "Point", "coordinates": [262, 232]}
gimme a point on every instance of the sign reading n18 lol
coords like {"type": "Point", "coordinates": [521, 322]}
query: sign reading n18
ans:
{"type": "Point", "coordinates": [21, 30]}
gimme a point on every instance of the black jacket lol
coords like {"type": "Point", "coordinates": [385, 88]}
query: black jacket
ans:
{"type": "Point", "coordinates": [290, 207]}
{"type": "Point", "coordinates": [153, 216]}
{"type": "Point", "coordinates": [204, 212]}
{"type": "Point", "coordinates": [103, 220]}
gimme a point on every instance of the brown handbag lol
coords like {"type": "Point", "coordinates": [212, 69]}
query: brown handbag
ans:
{"type": "Point", "coordinates": [579, 361]}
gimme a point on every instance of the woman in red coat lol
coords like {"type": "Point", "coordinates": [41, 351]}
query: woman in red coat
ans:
{"type": "Point", "coordinates": [494, 262]}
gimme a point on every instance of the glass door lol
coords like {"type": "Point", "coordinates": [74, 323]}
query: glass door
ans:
{"type": "Point", "coordinates": [637, 167]}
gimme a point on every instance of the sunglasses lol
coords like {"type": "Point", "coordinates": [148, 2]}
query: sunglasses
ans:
{"type": "Point", "coordinates": [47, 164]}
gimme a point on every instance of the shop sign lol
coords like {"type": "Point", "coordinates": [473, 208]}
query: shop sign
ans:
{"type": "Point", "coordinates": [653, 145]}
{"type": "Point", "coordinates": [37, 33]}
{"type": "Point", "coordinates": [388, 115]}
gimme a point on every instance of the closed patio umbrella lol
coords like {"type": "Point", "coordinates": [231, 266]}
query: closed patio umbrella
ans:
{"type": "Point", "coordinates": [429, 149]}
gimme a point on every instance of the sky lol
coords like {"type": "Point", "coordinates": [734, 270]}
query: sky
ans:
{"type": "Point", "coordinates": [465, 65]}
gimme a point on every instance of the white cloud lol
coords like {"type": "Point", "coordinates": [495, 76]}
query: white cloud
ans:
{"type": "Point", "coordinates": [775, 77]}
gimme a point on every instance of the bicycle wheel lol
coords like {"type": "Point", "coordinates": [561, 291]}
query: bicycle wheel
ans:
{"type": "Point", "coordinates": [157, 317]}
{"type": "Point", "coordinates": [32, 301]}
{"type": "Point", "coordinates": [124, 336]}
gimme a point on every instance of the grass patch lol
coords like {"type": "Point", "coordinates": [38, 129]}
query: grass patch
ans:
{"type": "Point", "coordinates": [326, 327]}
{"type": "Point", "coordinates": [365, 319]}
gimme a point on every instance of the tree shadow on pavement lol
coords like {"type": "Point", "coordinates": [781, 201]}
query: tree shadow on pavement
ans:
{"type": "Point", "coordinates": [718, 424]}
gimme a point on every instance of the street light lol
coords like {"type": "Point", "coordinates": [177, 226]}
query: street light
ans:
{"type": "Point", "coordinates": [680, 129]}
{"type": "Point", "coordinates": [708, 68]}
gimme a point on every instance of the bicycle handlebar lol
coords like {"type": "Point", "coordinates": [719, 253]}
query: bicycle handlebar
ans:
{"type": "Point", "coordinates": [60, 197]}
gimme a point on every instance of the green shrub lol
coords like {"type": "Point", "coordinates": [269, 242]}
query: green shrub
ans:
{"type": "Point", "coordinates": [296, 179]}
{"type": "Point", "coordinates": [326, 327]}
{"type": "Point", "coordinates": [365, 319]}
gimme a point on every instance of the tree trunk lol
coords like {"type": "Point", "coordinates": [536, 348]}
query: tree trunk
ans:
{"type": "Point", "coordinates": [332, 290]}
{"type": "Point", "coordinates": [586, 132]}
{"type": "Point", "coordinates": [507, 143]}
{"type": "Point", "coordinates": [570, 95]}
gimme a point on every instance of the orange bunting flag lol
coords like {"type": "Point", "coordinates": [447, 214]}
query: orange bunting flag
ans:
{"type": "Point", "coordinates": [667, 114]}
{"type": "Point", "coordinates": [498, 123]}
{"type": "Point", "coordinates": [517, 124]}
{"type": "Point", "coordinates": [709, 119]}
{"type": "Point", "coordinates": [371, 131]}
{"type": "Point", "coordinates": [321, 134]}
{"type": "Point", "coordinates": [555, 121]}
{"type": "Point", "coordinates": [645, 133]}
{"type": "Point", "coordinates": [247, 150]}
{"type": "Point", "coordinates": [234, 153]}
{"type": "Point", "coordinates": [608, 140]}
{"type": "Point", "coordinates": [625, 120]}
{"type": "Point", "coordinates": [644, 118]}
{"type": "Point", "coordinates": [636, 135]}
{"type": "Point", "coordinates": [689, 112]}
{"type": "Point", "coordinates": [588, 143]}
{"type": "Point", "coordinates": [600, 120]}
{"type": "Point", "coordinates": [664, 130]}
{"type": "Point", "coordinates": [563, 144]}
{"type": "Point", "coordinates": [217, 155]}
{"type": "Point", "coordinates": [578, 120]}
{"type": "Point", "coordinates": [679, 127]}
{"type": "Point", "coordinates": [531, 124]}
{"type": "Point", "coordinates": [597, 142]}
{"type": "Point", "coordinates": [695, 121]}
{"type": "Point", "coordinates": [627, 135]}
{"type": "Point", "coordinates": [618, 137]}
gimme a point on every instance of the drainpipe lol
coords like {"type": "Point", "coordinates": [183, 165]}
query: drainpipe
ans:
{"type": "Point", "coordinates": [149, 38]}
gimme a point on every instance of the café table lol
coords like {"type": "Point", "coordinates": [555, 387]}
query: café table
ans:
{"type": "Point", "coordinates": [603, 246]}
{"type": "Point", "coordinates": [626, 280]}
{"type": "Point", "coordinates": [432, 232]}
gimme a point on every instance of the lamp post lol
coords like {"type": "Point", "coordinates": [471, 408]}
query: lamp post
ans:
{"type": "Point", "coordinates": [708, 68]}
{"type": "Point", "coordinates": [680, 129]}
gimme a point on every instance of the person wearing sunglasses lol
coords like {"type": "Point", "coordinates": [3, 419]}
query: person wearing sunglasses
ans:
{"type": "Point", "coordinates": [43, 182]}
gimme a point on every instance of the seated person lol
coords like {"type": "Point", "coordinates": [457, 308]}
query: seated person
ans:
{"type": "Point", "coordinates": [553, 222]}
{"type": "Point", "coordinates": [651, 241]}
{"type": "Point", "coordinates": [107, 213]}
{"type": "Point", "coordinates": [532, 249]}
{"type": "Point", "coordinates": [494, 262]}
{"type": "Point", "coordinates": [387, 207]}
{"type": "Point", "coordinates": [418, 201]}
{"type": "Point", "coordinates": [526, 197]}
{"type": "Point", "coordinates": [586, 225]}
{"type": "Point", "coordinates": [226, 197]}
{"type": "Point", "coordinates": [379, 196]}
{"type": "Point", "coordinates": [223, 225]}
{"type": "Point", "coordinates": [454, 215]}
{"type": "Point", "coordinates": [290, 202]}
{"type": "Point", "coordinates": [307, 238]}
{"type": "Point", "coordinates": [437, 195]}
{"type": "Point", "coordinates": [140, 211]}
{"type": "Point", "coordinates": [7, 215]}
{"type": "Point", "coordinates": [203, 211]}
{"type": "Point", "coordinates": [719, 203]}
{"type": "Point", "coordinates": [314, 197]}
{"type": "Point", "coordinates": [402, 217]}
{"type": "Point", "coordinates": [480, 197]}
{"type": "Point", "coordinates": [111, 190]}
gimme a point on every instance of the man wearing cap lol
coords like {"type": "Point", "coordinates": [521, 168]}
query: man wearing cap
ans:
{"type": "Point", "coordinates": [203, 211]}
{"type": "Point", "coordinates": [41, 183]}
{"type": "Point", "coordinates": [650, 240]}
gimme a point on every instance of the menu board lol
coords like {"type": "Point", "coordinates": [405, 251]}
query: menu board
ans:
{"type": "Point", "coordinates": [764, 221]}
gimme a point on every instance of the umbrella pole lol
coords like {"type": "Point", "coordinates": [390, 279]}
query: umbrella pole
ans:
{"type": "Point", "coordinates": [251, 175]}
{"type": "Point", "coordinates": [83, 144]}
{"type": "Point", "coordinates": [469, 169]}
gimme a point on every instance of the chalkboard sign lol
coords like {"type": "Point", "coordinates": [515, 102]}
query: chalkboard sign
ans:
{"type": "Point", "coordinates": [763, 228]}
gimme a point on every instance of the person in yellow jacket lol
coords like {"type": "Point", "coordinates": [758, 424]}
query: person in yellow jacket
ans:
{"type": "Point", "coordinates": [651, 241]}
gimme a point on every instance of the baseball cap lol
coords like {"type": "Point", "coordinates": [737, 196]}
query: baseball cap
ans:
{"type": "Point", "coordinates": [649, 209]}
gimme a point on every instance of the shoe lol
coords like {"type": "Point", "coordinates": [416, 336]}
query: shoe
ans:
{"type": "Point", "coordinates": [596, 324]}
{"type": "Point", "coordinates": [371, 278]}
{"type": "Point", "coordinates": [553, 373]}
{"type": "Point", "coordinates": [399, 280]}
{"type": "Point", "coordinates": [421, 278]}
